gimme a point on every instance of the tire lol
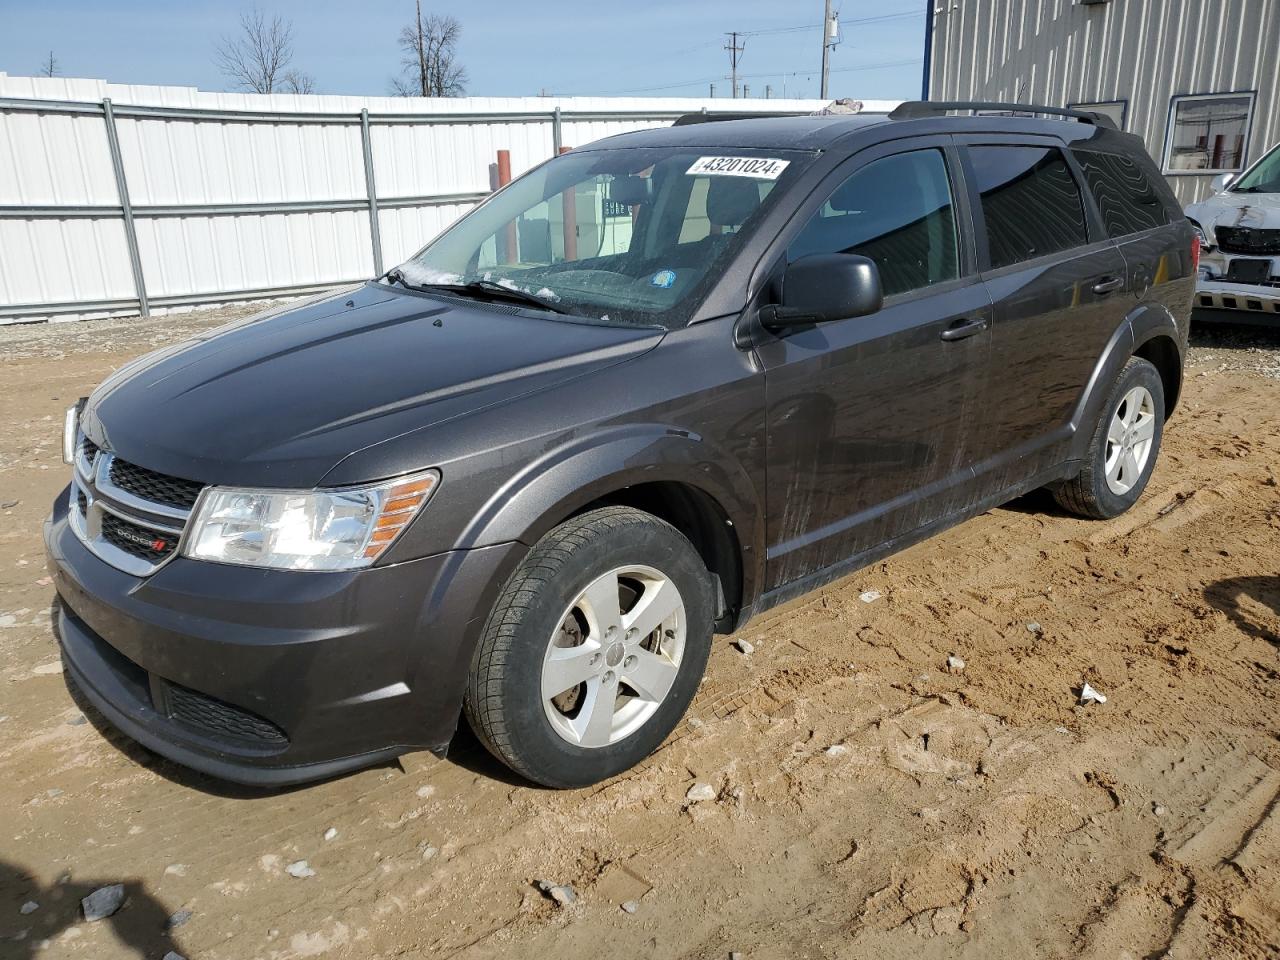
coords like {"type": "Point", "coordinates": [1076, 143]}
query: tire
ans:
{"type": "Point", "coordinates": [1133, 414]}
{"type": "Point", "coordinates": [547, 626]}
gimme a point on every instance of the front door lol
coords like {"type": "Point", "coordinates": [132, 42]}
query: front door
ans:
{"type": "Point", "coordinates": [870, 418]}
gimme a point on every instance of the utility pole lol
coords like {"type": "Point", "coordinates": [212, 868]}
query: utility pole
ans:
{"type": "Point", "coordinates": [734, 51]}
{"type": "Point", "coordinates": [713, 91]}
{"type": "Point", "coordinates": [828, 40]}
{"type": "Point", "coordinates": [746, 91]}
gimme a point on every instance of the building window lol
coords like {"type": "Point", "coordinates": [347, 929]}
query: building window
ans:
{"type": "Point", "coordinates": [1115, 109]}
{"type": "Point", "coordinates": [1208, 133]}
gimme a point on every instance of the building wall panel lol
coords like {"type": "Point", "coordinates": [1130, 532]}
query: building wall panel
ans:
{"type": "Point", "coordinates": [1057, 52]}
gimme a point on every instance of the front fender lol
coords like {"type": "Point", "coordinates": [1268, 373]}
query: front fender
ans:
{"type": "Point", "coordinates": [586, 468]}
{"type": "Point", "coordinates": [1144, 323]}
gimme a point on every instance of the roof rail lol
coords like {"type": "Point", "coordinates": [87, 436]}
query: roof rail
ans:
{"type": "Point", "coordinates": [915, 109]}
{"type": "Point", "coordinates": [705, 117]}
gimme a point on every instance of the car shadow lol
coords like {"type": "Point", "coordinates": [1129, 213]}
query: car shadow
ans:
{"type": "Point", "coordinates": [140, 925]}
{"type": "Point", "coordinates": [1246, 601]}
{"type": "Point", "coordinates": [1234, 328]}
{"type": "Point", "coordinates": [1038, 502]}
{"type": "Point", "coordinates": [466, 751]}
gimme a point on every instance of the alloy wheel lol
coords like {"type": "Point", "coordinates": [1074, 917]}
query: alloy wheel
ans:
{"type": "Point", "coordinates": [614, 656]}
{"type": "Point", "coordinates": [1129, 439]}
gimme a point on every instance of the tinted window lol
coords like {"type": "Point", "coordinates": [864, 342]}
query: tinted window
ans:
{"type": "Point", "coordinates": [898, 212]}
{"type": "Point", "coordinates": [1030, 201]}
{"type": "Point", "coordinates": [1127, 200]}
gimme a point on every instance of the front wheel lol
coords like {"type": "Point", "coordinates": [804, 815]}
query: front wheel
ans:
{"type": "Point", "coordinates": [1123, 448]}
{"type": "Point", "coordinates": [594, 650]}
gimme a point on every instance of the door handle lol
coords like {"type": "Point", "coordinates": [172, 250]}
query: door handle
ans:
{"type": "Point", "coordinates": [1107, 284]}
{"type": "Point", "coordinates": [964, 328]}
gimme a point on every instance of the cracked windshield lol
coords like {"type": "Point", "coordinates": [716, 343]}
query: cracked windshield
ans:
{"type": "Point", "coordinates": [619, 236]}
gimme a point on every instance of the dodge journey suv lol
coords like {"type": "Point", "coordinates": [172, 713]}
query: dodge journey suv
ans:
{"type": "Point", "coordinates": [650, 389]}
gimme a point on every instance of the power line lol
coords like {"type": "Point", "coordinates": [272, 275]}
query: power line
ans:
{"type": "Point", "coordinates": [878, 65]}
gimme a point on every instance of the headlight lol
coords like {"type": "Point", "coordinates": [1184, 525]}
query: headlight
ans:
{"type": "Point", "coordinates": [71, 427]}
{"type": "Point", "coordinates": [305, 529]}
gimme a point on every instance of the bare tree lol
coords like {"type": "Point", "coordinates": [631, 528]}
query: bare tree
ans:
{"type": "Point", "coordinates": [430, 58]}
{"type": "Point", "coordinates": [258, 57]}
{"type": "Point", "coordinates": [295, 81]}
{"type": "Point", "coordinates": [49, 67]}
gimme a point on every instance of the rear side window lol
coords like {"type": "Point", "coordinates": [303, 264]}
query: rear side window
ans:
{"type": "Point", "coordinates": [1126, 198]}
{"type": "Point", "coordinates": [1030, 201]}
{"type": "Point", "coordinates": [896, 211]}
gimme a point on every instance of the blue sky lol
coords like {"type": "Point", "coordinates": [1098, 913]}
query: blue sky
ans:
{"type": "Point", "coordinates": [510, 48]}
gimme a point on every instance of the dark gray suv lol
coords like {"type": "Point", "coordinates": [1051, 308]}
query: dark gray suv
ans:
{"type": "Point", "coordinates": [650, 389]}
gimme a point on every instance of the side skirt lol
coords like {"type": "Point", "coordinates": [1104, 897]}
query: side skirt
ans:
{"type": "Point", "coordinates": [813, 581]}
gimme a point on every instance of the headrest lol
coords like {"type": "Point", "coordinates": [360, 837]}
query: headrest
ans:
{"type": "Point", "coordinates": [631, 190]}
{"type": "Point", "coordinates": [731, 200]}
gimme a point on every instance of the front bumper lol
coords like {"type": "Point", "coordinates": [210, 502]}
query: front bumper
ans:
{"type": "Point", "coordinates": [1217, 293]}
{"type": "Point", "coordinates": [1220, 295]}
{"type": "Point", "coordinates": [274, 677]}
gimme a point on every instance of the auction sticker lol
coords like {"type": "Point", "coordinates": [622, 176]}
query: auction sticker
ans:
{"type": "Point", "coordinates": [759, 168]}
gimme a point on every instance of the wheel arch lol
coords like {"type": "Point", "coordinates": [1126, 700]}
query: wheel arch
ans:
{"type": "Point", "coordinates": [1149, 331]}
{"type": "Point", "coordinates": [1161, 351]}
{"type": "Point", "coordinates": [676, 475]}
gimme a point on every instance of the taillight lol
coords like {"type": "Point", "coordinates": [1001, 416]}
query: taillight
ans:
{"type": "Point", "coordinates": [1195, 253]}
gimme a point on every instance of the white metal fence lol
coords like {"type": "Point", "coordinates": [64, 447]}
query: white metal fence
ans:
{"type": "Point", "coordinates": [118, 200]}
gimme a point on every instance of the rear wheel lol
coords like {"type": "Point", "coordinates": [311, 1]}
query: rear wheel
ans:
{"type": "Point", "coordinates": [594, 650]}
{"type": "Point", "coordinates": [1124, 446]}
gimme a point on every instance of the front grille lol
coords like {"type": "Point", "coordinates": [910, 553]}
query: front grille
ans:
{"type": "Point", "coordinates": [221, 719]}
{"type": "Point", "coordinates": [156, 487]}
{"type": "Point", "coordinates": [82, 502]}
{"type": "Point", "coordinates": [88, 449]}
{"type": "Point", "coordinates": [1248, 240]}
{"type": "Point", "coordinates": [138, 541]}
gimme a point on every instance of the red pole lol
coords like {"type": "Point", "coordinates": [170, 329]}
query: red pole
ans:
{"type": "Point", "coordinates": [569, 206]}
{"type": "Point", "coordinates": [509, 253]}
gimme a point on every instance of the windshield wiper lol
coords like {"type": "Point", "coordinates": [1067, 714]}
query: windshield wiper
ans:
{"type": "Point", "coordinates": [396, 275]}
{"type": "Point", "coordinates": [493, 290]}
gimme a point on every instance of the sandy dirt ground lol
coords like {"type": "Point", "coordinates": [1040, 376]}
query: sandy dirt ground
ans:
{"type": "Point", "coordinates": [869, 801]}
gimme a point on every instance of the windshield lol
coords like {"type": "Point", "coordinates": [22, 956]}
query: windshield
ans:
{"type": "Point", "coordinates": [1263, 178]}
{"type": "Point", "coordinates": [628, 236]}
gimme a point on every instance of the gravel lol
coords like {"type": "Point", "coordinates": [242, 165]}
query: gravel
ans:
{"type": "Point", "coordinates": [699, 792]}
{"type": "Point", "coordinates": [745, 646]}
{"type": "Point", "coordinates": [300, 869]}
{"type": "Point", "coordinates": [562, 893]}
{"type": "Point", "coordinates": [29, 907]}
{"type": "Point", "coordinates": [1220, 346]}
{"type": "Point", "coordinates": [103, 902]}
{"type": "Point", "coordinates": [177, 919]}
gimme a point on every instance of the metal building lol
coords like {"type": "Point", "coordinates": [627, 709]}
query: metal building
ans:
{"type": "Point", "coordinates": [1196, 79]}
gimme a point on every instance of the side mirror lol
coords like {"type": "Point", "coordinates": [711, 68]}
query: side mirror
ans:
{"type": "Point", "coordinates": [1222, 181]}
{"type": "Point", "coordinates": [823, 287]}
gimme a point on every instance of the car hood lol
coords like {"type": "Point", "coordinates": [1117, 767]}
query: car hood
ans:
{"type": "Point", "coordinates": [1237, 210]}
{"type": "Point", "coordinates": [279, 399]}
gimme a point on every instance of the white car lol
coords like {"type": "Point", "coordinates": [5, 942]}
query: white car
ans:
{"type": "Point", "coordinates": [1240, 240]}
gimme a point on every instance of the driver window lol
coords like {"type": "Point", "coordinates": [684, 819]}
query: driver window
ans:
{"type": "Point", "coordinates": [897, 211]}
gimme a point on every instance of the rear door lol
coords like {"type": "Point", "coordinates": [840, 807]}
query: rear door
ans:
{"type": "Point", "coordinates": [870, 418]}
{"type": "Point", "coordinates": [1058, 290]}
